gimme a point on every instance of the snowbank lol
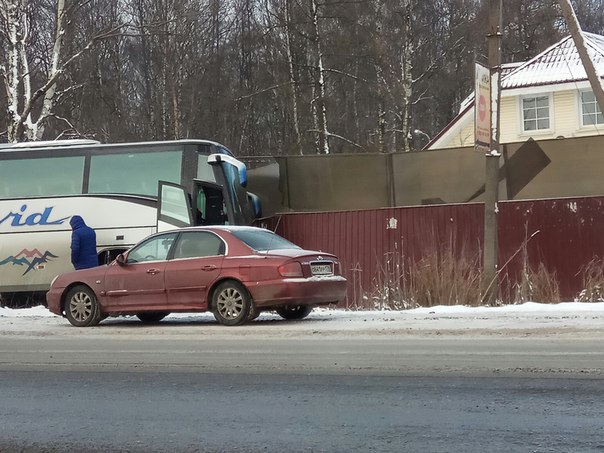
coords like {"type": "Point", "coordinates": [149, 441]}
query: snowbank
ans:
{"type": "Point", "coordinates": [525, 319]}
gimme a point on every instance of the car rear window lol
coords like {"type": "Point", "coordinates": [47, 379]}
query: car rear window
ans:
{"type": "Point", "coordinates": [262, 240]}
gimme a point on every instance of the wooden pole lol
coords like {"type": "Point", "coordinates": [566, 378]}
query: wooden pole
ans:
{"type": "Point", "coordinates": [578, 38]}
{"type": "Point", "coordinates": [490, 282]}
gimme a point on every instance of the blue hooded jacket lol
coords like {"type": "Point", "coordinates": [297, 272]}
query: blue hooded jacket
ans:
{"type": "Point", "coordinates": [83, 244]}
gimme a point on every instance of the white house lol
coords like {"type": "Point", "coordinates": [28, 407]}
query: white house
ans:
{"type": "Point", "coordinates": [546, 97]}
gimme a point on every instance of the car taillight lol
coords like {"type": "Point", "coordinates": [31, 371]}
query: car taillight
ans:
{"type": "Point", "coordinates": [292, 269]}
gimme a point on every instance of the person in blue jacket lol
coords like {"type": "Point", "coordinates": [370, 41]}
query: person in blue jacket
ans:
{"type": "Point", "coordinates": [83, 244]}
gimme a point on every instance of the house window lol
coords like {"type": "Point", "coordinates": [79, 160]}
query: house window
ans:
{"type": "Point", "coordinates": [535, 113]}
{"type": "Point", "coordinates": [590, 111]}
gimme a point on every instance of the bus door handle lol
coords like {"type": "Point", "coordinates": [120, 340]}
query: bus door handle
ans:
{"type": "Point", "coordinates": [153, 271]}
{"type": "Point", "coordinates": [208, 267]}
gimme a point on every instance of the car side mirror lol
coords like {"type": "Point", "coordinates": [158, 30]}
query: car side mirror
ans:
{"type": "Point", "coordinates": [121, 259]}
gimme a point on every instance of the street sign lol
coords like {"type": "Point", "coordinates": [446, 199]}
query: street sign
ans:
{"type": "Point", "coordinates": [482, 108]}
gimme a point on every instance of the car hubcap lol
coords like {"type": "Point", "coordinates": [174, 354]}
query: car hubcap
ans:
{"type": "Point", "coordinates": [80, 306]}
{"type": "Point", "coordinates": [230, 303]}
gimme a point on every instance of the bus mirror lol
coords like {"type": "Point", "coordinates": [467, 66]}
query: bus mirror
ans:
{"type": "Point", "coordinates": [243, 176]}
{"type": "Point", "coordinates": [256, 206]}
{"type": "Point", "coordinates": [121, 259]}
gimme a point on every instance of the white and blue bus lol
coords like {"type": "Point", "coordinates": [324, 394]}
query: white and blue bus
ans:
{"type": "Point", "coordinates": [123, 191]}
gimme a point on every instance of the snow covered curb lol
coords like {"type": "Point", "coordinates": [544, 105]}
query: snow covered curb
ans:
{"type": "Point", "coordinates": [530, 317]}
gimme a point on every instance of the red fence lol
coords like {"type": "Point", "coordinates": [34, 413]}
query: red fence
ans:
{"type": "Point", "coordinates": [563, 234]}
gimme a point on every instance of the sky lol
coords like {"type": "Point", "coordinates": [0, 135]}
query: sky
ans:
{"type": "Point", "coordinates": [579, 317]}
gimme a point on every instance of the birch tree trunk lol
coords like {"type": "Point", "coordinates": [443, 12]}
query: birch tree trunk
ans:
{"type": "Point", "coordinates": [292, 76]}
{"type": "Point", "coordinates": [382, 89]}
{"type": "Point", "coordinates": [35, 130]}
{"type": "Point", "coordinates": [17, 77]}
{"type": "Point", "coordinates": [406, 67]}
{"type": "Point", "coordinates": [11, 12]}
{"type": "Point", "coordinates": [148, 95]}
{"type": "Point", "coordinates": [26, 119]}
{"type": "Point", "coordinates": [320, 111]}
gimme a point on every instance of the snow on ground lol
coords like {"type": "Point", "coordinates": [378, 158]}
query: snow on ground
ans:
{"type": "Point", "coordinates": [527, 318]}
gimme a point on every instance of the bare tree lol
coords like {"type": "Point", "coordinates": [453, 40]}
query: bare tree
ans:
{"type": "Point", "coordinates": [29, 108]}
{"type": "Point", "coordinates": [393, 59]}
{"type": "Point", "coordinates": [293, 77]}
{"type": "Point", "coordinates": [261, 76]}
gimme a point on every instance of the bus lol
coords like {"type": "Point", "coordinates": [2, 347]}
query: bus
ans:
{"type": "Point", "coordinates": [123, 191]}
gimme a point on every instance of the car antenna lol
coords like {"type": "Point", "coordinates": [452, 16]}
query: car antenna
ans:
{"type": "Point", "coordinates": [277, 224]}
{"type": "Point", "coordinates": [274, 232]}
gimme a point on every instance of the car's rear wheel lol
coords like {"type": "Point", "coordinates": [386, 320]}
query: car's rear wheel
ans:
{"type": "Point", "coordinates": [231, 303]}
{"type": "Point", "coordinates": [82, 308]}
{"type": "Point", "coordinates": [152, 317]}
{"type": "Point", "coordinates": [294, 311]}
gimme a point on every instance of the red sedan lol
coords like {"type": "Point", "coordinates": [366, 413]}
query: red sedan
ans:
{"type": "Point", "coordinates": [236, 272]}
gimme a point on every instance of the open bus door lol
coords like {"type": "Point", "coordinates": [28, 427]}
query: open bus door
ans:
{"type": "Point", "coordinates": [241, 207]}
{"type": "Point", "coordinates": [174, 207]}
{"type": "Point", "coordinates": [208, 204]}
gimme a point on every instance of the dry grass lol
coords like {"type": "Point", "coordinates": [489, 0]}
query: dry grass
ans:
{"type": "Point", "coordinates": [439, 277]}
{"type": "Point", "coordinates": [443, 279]}
{"type": "Point", "coordinates": [593, 282]}
{"type": "Point", "coordinates": [537, 285]}
{"type": "Point", "coordinates": [446, 276]}
{"type": "Point", "coordinates": [390, 284]}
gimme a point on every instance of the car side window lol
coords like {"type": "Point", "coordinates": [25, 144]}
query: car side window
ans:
{"type": "Point", "coordinates": [154, 249]}
{"type": "Point", "coordinates": [197, 244]}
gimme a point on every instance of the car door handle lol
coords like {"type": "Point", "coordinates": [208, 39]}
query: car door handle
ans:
{"type": "Point", "coordinates": [208, 267]}
{"type": "Point", "coordinates": [153, 271]}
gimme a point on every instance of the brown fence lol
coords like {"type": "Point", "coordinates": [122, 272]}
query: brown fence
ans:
{"type": "Point", "coordinates": [563, 234]}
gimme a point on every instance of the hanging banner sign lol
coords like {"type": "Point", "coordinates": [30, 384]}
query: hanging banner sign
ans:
{"type": "Point", "coordinates": [482, 108]}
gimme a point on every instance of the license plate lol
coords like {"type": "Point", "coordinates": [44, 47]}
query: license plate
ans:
{"type": "Point", "coordinates": [321, 269]}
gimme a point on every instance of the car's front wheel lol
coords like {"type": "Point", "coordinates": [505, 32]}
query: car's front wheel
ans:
{"type": "Point", "coordinates": [152, 317]}
{"type": "Point", "coordinates": [294, 311]}
{"type": "Point", "coordinates": [231, 303]}
{"type": "Point", "coordinates": [82, 308]}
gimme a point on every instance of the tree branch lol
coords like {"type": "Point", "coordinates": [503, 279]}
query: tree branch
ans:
{"type": "Point", "coordinates": [344, 139]}
{"type": "Point", "coordinates": [264, 90]}
{"type": "Point", "coordinates": [336, 71]}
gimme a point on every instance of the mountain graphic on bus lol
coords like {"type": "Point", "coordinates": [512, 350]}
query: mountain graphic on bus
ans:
{"type": "Point", "coordinates": [29, 258]}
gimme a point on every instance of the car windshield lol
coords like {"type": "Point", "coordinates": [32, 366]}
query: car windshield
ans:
{"type": "Point", "coordinates": [262, 240]}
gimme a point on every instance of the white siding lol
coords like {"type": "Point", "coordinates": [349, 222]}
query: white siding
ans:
{"type": "Point", "coordinates": [565, 122]}
{"type": "Point", "coordinates": [509, 121]}
{"type": "Point", "coordinates": [466, 136]}
{"type": "Point", "coordinates": [566, 117]}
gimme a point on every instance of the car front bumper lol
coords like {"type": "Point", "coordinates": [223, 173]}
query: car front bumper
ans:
{"type": "Point", "coordinates": [53, 301]}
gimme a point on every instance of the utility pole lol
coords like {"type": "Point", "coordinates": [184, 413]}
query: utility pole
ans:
{"type": "Point", "coordinates": [588, 64]}
{"type": "Point", "coordinates": [490, 282]}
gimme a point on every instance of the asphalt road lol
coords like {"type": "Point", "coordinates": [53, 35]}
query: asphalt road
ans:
{"type": "Point", "coordinates": [262, 349]}
{"type": "Point", "coordinates": [177, 387]}
{"type": "Point", "coordinates": [242, 412]}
